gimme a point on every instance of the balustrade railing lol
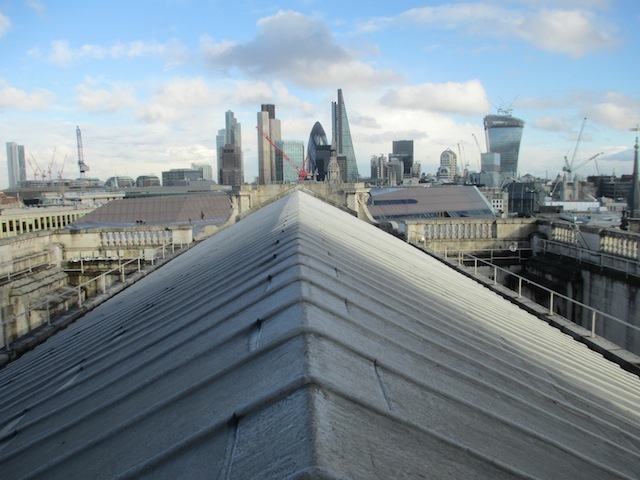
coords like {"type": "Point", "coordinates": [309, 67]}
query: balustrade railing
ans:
{"type": "Point", "coordinates": [135, 238]}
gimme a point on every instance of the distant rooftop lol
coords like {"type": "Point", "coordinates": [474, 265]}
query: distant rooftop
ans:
{"type": "Point", "coordinates": [404, 203]}
{"type": "Point", "coordinates": [163, 210]}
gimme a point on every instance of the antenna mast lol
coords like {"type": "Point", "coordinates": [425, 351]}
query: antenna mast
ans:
{"type": "Point", "coordinates": [83, 166]}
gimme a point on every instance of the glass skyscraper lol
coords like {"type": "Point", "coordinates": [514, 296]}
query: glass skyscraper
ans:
{"type": "Point", "coordinates": [16, 167]}
{"type": "Point", "coordinates": [230, 159]}
{"type": "Point", "coordinates": [403, 150]}
{"type": "Point", "coordinates": [285, 171]}
{"type": "Point", "coordinates": [503, 134]}
{"type": "Point", "coordinates": [317, 163]}
{"type": "Point", "coordinates": [342, 138]}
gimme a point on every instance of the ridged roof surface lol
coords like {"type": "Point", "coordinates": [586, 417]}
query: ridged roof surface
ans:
{"type": "Point", "coordinates": [174, 209]}
{"type": "Point", "coordinates": [304, 343]}
{"type": "Point", "coordinates": [428, 202]}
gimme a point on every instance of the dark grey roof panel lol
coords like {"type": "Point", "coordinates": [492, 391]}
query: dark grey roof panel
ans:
{"type": "Point", "coordinates": [304, 343]}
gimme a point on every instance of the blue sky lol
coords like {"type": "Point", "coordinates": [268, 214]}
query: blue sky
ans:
{"type": "Point", "coordinates": [149, 81]}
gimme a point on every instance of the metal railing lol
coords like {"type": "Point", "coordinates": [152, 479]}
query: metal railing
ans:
{"type": "Point", "coordinates": [594, 313]}
{"type": "Point", "coordinates": [75, 292]}
{"type": "Point", "coordinates": [29, 263]}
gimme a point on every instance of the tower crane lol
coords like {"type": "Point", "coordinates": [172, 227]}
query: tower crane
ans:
{"type": "Point", "coordinates": [36, 169]}
{"type": "Point", "coordinates": [51, 165]}
{"type": "Point", "coordinates": [62, 168]}
{"type": "Point", "coordinates": [302, 173]}
{"type": "Point", "coordinates": [83, 166]}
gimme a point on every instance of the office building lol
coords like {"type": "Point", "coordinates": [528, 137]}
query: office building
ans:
{"type": "Point", "coordinates": [229, 148]}
{"type": "Point", "coordinates": [16, 168]}
{"type": "Point", "coordinates": [448, 169]}
{"type": "Point", "coordinates": [268, 134]}
{"type": "Point", "coordinates": [342, 139]}
{"type": "Point", "coordinates": [379, 167]}
{"type": "Point", "coordinates": [285, 170]}
{"type": "Point", "coordinates": [503, 134]}
{"type": "Point", "coordinates": [147, 181]}
{"type": "Point", "coordinates": [206, 168]}
{"type": "Point", "coordinates": [403, 150]}
{"type": "Point", "coordinates": [231, 170]}
{"type": "Point", "coordinates": [317, 162]}
{"type": "Point", "coordinates": [180, 176]}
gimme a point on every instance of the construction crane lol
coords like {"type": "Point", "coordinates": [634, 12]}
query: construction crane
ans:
{"type": "Point", "coordinates": [83, 166]}
{"type": "Point", "coordinates": [569, 167]}
{"type": "Point", "coordinates": [62, 168]}
{"type": "Point", "coordinates": [302, 173]}
{"type": "Point", "coordinates": [51, 165]}
{"type": "Point", "coordinates": [36, 169]}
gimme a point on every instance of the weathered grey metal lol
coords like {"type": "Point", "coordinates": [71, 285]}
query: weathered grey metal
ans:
{"type": "Point", "coordinates": [302, 342]}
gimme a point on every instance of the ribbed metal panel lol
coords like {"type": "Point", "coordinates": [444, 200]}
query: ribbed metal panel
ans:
{"type": "Point", "coordinates": [304, 343]}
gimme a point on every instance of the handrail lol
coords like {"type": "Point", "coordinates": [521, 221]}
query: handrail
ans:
{"type": "Point", "coordinates": [552, 294]}
{"type": "Point", "coordinates": [46, 254]}
{"type": "Point", "coordinates": [77, 290]}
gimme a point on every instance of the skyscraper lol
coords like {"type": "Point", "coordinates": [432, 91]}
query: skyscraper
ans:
{"type": "Point", "coordinates": [403, 150]}
{"type": "Point", "coordinates": [341, 138]}
{"type": "Point", "coordinates": [268, 125]}
{"type": "Point", "coordinates": [448, 166]}
{"type": "Point", "coordinates": [15, 164]}
{"type": "Point", "coordinates": [285, 171]}
{"type": "Point", "coordinates": [503, 135]}
{"type": "Point", "coordinates": [317, 163]}
{"type": "Point", "coordinates": [230, 158]}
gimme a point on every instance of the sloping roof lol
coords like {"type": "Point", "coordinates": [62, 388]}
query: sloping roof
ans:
{"type": "Point", "coordinates": [302, 342]}
{"type": "Point", "coordinates": [173, 209]}
{"type": "Point", "coordinates": [428, 202]}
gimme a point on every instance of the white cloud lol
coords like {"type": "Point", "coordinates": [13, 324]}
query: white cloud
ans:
{"type": "Point", "coordinates": [290, 46]}
{"type": "Point", "coordinates": [99, 100]}
{"type": "Point", "coordinates": [5, 24]}
{"type": "Point", "coordinates": [615, 110]}
{"type": "Point", "coordinates": [179, 98]}
{"type": "Point", "coordinates": [468, 98]}
{"type": "Point", "coordinates": [36, 6]}
{"type": "Point", "coordinates": [63, 55]}
{"type": "Point", "coordinates": [575, 31]}
{"type": "Point", "coordinates": [11, 97]}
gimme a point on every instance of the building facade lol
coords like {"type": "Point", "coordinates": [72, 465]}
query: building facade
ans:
{"type": "Point", "coordinates": [317, 162]}
{"type": "Point", "coordinates": [286, 172]}
{"type": "Point", "coordinates": [16, 167]}
{"type": "Point", "coordinates": [448, 169]}
{"type": "Point", "coordinates": [503, 134]}
{"type": "Point", "coordinates": [229, 148]}
{"type": "Point", "coordinates": [403, 150]}
{"type": "Point", "coordinates": [269, 133]}
{"type": "Point", "coordinates": [231, 171]}
{"type": "Point", "coordinates": [341, 139]}
{"type": "Point", "coordinates": [180, 176]}
{"type": "Point", "coordinates": [206, 168]}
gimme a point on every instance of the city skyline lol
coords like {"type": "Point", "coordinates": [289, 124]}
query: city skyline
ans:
{"type": "Point", "coordinates": [148, 83]}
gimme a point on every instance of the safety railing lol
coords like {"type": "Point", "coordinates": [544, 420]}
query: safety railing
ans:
{"type": "Point", "coordinates": [75, 294]}
{"type": "Point", "coordinates": [472, 261]}
{"type": "Point", "coordinates": [19, 266]}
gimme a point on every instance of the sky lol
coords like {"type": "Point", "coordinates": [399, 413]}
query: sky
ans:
{"type": "Point", "coordinates": [149, 81]}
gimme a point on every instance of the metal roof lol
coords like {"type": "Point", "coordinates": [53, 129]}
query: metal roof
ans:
{"type": "Point", "coordinates": [302, 342]}
{"type": "Point", "coordinates": [403, 203]}
{"type": "Point", "coordinates": [175, 209]}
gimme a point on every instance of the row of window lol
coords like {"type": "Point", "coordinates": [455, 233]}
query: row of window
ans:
{"type": "Point", "coordinates": [17, 226]}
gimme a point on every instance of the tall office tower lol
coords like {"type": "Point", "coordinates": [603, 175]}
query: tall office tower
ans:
{"type": "Point", "coordinates": [448, 166]}
{"type": "Point", "coordinates": [403, 150]}
{"type": "Point", "coordinates": [231, 171]}
{"type": "Point", "coordinates": [341, 138]}
{"type": "Point", "coordinates": [317, 163]}
{"type": "Point", "coordinates": [230, 158]}
{"type": "Point", "coordinates": [268, 125]}
{"type": "Point", "coordinates": [503, 134]}
{"type": "Point", "coordinates": [206, 168]}
{"type": "Point", "coordinates": [379, 167]}
{"type": "Point", "coordinates": [285, 171]}
{"type": "Point", "coordinates": [15, 164]}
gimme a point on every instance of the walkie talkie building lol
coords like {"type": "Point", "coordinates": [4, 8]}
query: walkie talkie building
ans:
{"type": "Point", "coordinates": [504, 134]}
